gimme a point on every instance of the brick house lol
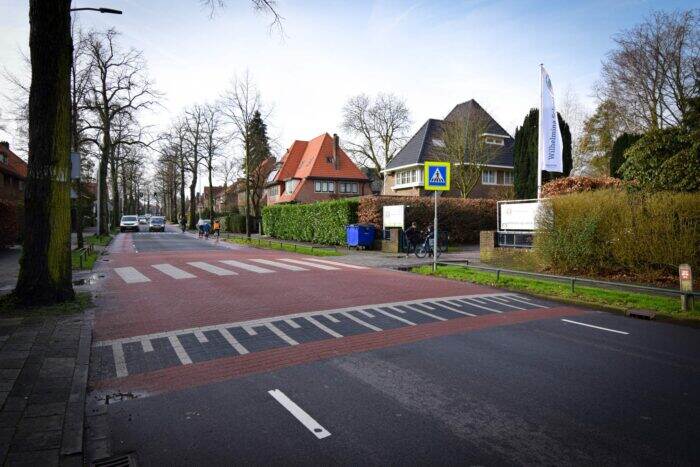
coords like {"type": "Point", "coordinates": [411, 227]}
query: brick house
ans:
{"type": "Point", "coordinates": [315, 170]}
{"type": "Point", "coordinates": [13, 175]}
{"type": "Point", "coordinates": [403, 176]}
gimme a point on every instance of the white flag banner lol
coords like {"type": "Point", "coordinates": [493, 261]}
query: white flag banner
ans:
{"type": "Point", "coordinates": [550, 145]}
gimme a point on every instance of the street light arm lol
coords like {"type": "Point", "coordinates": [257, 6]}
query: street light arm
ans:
{"type": "Point", "coordinates": [99, 10]}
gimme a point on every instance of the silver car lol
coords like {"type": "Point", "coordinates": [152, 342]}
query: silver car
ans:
{"type": "Point", "coordinates": [129, 222]}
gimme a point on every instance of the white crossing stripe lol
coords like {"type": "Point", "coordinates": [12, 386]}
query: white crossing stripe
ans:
{"type": "Point", "coordinates": [307, 263]}
{"type": "Point", "coordinates": [292, 323]}
{"type": "Point", "coordinates": [250, 330]}
{"type": "Point", "coordinates": [451, 308]}
{"type": "Point", "coordinates": [396, 309]}
{"type": "Point", "coordinates": [172, 271]}
{"type": "Point", "coordinates": [332, 318]}
{"type": "Point", "coordinates": [359, 321]}
{"type": "Point", "coordinates": [212, 269]}
{"type": "Point", "coordinates": [147, 345]}
{"type": "Point", "coordinates": [280, 334]}
{"type": "Point", "coordinates": [233, 341]}
{"type": "Point", "coordinates": [201, 337]}
{"type": "Point", "coordinates": [430, 315]}
{"type": "Point", "coordinates": [502, 301]}
{"type": "Point", "coordinates": [520, 299]}
{"type": "Point", "coordinates": [131, 275]}
{"type": "Point", "coordinates": [337, 263]}
{"type": "Point", "coordinates": [298, 413]}
{"type": "Point", "coordinates": [595, 327]}
{"type": "Point", "coordinates": [323, 327]}
{"type": "Point", "coordinates": [246, 266]}
{"type": "Point", "coordinates": [366, 313]}
{"type": "Point", "coordinates": [119, 361]}
{"type": "Point", "coordinates": [425, 305]}
{"type": "Point", "coordinates": [398, 318]}
{"type": "Point", "coordinates": [277, 264]}
{"type": "Point", "coordinates": [179, 350]}
{"type": "Point", "coordinates": [471, 303]}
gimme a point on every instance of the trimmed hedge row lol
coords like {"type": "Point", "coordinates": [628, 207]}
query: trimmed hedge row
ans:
{"type": "Point", "coordinates": [322, 222]}
{"type": "Point", "coordinates": [615, 231]}
{"type": "Point", "coordinates": [462, 218]}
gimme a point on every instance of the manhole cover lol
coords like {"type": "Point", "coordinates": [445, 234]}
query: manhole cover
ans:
{"type": "Point", "coordinates": [122, 460]}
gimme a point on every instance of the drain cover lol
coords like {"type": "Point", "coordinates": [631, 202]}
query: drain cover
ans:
{"type": "Point", "coordinates": [122, 460]}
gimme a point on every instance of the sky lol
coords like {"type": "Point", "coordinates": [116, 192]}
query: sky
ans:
{"type": "Point", "coordinates": [432, 54]}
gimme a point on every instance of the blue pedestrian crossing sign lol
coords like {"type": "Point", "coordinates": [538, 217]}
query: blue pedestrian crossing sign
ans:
{"type": "Point", "coordinates": [436, 176]}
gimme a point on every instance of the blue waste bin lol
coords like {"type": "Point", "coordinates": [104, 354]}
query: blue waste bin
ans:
{"type": "Point", "coordinates": [360, 235]}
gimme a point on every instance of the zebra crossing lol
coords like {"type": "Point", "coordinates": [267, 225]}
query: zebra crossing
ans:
{"type": "Point", "coordinates": [131, 275]}
{"type": "Point", "coordinates": [141, 354]}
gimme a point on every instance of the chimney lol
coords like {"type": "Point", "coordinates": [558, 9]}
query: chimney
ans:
{"type": "Point", "coordinates": [5, 145]}
{"type": "Point", "coordinates": [336, 148]}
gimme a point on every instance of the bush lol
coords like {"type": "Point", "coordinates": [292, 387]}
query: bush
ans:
{"type": "Point", "coordinates": [617, 155]}
{"type": "Point", "coordinates": [235, 223]}
{"type": "Point", "coordinates": [564, 186]}
{"type": "Point", "coordinates": [322, 222]}
{"type": "Point", "coordinates": [616, 231]}
{"type": "Point", "coordinates": [664, 160]}
{"type": "Point", "coordinates": [12, 215]}
{"type": "Point", "coordinates": [462, 218]}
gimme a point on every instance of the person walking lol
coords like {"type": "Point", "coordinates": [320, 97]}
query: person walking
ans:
{"type": "Point", "coordinates": [206, 228]}
{"type": "Point", "coordinates": [217, 228]}
{"type": "Point", "coordinates": [412, 238]}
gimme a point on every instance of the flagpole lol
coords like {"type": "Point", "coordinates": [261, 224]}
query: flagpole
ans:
{"type": "Point", "coordinates": [540, 140]}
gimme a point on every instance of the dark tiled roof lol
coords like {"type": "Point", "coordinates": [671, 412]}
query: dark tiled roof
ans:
{"type": "Point", "coordinates": [418, 149]}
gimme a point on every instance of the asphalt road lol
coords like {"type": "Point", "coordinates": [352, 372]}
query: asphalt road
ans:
{"type": "Point", "coordinates": [489, 379]}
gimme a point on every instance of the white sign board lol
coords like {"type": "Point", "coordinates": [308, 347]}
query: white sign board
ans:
{"type": "Point", "coordinates": [518, 216]}
{"type": "Point", "coordinates": [74, 165]}
{"type": "Point", "coordinates": [393, 216]}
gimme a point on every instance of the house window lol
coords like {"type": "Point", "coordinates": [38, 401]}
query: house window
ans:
{"type": "Point", "coordinates": [273, 190]}
{"type": "Point", "coordinates": [494, 140]}
{"type": "Point", "coordinates": [507, 177]}
{"type": "Point", "coordinates": [348, 187]}
{"type": "Point", "coordinates": [324, 186]}
{"type": "Point", "coordinates": [3, 158]}
{"type": "Point", "coordinates": [289, 186]}
{"type": "Point", "coordinates": [488, 177]}
{"type": "Point", "coordinates": [438, 142]}
{"type": "Point", "coordinates": [408, 177]}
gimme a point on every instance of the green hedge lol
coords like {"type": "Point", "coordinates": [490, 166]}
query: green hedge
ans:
{"type": "Point", "coordinates": [322, 222]}
{"type": "Point", "coordinates": [616, 231]}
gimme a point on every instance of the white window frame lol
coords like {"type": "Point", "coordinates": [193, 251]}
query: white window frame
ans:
{"type": "Point", "coordinates": [348, 188]}
{"type": "Point", "coordinates": [290, 186]}
{"type": "Point", "coordinates": [324, 186]}
{"type": "Point", "coordinates": [408, 178]}
{"type": "Point", "coordinates": [508, 173]}
{"type": "Point", "coordinates": [438, 143]}
{"type": "Point", "coordinates": [494, 140]}
{"type": "Point", "coordinates": [486, 174]}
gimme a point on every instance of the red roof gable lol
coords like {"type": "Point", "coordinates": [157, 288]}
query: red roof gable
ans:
{"type": "Point", "coordinates": [15, 165]}
{"type": "Point", "coordinates": [306, 159]}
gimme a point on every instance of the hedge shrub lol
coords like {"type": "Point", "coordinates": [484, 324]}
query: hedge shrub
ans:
{"type": "Point", "coordinates": [618, 231]}
{"type": "Point", "coordinates": [566, 185]}
{"type": "Point", "coordinates": [462, 218]}
{"type": "Point", "coordinates": [322, 222]}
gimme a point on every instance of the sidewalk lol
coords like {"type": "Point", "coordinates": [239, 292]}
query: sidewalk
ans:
{"type": "Point", "coordinates": [43, 376]}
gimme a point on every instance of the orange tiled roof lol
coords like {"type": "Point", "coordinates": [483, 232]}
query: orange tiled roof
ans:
{"type": "Point", "coordinates": [306, 159]}
{"type": "Point", "coordinates": [15, 165]}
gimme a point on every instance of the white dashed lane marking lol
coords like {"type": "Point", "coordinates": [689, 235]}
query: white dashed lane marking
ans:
{"type": "Point", "coordinates": [310, 264]}
{"type": "Point", "coordinates": [212, 269]}
{"type": "Point", "coordinates": [247, 267]}
{"type": "Point", "coordinates": [131, 275]}
{"type": "Point", "coordinates": [172, 271]}
{"type": "Point", "coordinates": [304, 418]}
{"type": "Point", "coordinates": [277, 264]}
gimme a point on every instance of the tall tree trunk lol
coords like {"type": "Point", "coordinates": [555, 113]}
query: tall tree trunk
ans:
{"type": "Point", "coordinates": [211, 194]}
{"type": "Point", "coordinates": [247, 189]}
{"type": "Point", "coordinates": [45, 265]}
{"type": "Point", "coordinates": [193, 201]}
{"type": "Point", "coordinates": [104, 189]}
{"type": "Point", "coordinates": [116, 208]}
{"type": "Point", "coordinates": [182, 190]}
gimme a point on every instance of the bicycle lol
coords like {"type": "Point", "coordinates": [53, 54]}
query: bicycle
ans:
{"type": "Point", "coordinates": [426, 248]}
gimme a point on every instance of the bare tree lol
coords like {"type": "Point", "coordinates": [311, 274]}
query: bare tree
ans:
{"type": "Point", "coordinates": [650, 74]}
{"type": "Point", "coordinates": [264, 6]}
{"type": "Point", "coordinates": [213, 144]}
{"type": "Point", "coordinates": [240, 103]}
{"type": "Point", "coordinates": [378, 128]}
{"type": "Point", "coordinates": [466, 148]}
{"type": "Point", "coordinates": [575, 114]}
{"type": "Point", "coordinates": [194, 123]}
{"type": "Point", "coordinates": [598, 136]}
{"type": "Point", "coordinates": [120, 87]}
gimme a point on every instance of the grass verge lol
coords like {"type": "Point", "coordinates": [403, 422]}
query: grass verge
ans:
{"type": "Point", "coordinates": [102, 240]}
{"type": "Point", "coordinates": [88, 260]}
{"type": "Point", "coordinates": [585, 295]}
{"type": "Point", "coordinates": [10, 309]}
{"type": "Point", "coordinates": [271, 245]}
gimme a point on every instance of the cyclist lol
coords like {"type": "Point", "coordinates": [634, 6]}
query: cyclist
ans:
{"type": "Point", "coordinates": [412, 238]}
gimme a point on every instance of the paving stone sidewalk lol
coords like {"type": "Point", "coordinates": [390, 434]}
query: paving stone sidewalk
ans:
{"type": "Point", "coordinates": [43, 375]}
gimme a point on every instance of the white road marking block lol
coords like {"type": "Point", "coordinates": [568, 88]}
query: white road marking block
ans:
{"type": "Point", "coordinates": [250, 330]}
{"type": "Point", "coordinates": [233, 341]}
{"type": "Point", "coordinates": [359, 321]}
{"type": "Point", "coordinates": [430, 315]}
{"type": "Point", "coordinates": [396, 309]}
{"type": "Point", "coordinates": [172, 271]}
{"type": "Point", "coordinates": [277, 264]}
{"type": "Point", "coordinates": [451, 308]}
{"type": "Point", "coordinates": [595, 327]}
{"type": "Point", "coordinates": [366, 313]}
{"type": "Point", "coordinates": [119, 361]}
{"type": "Point", "coordinates": [323, 327]}
{"type": "Point", "coordinates": [147, 345]}
{"type": "Point", "coordinates": [337, 263]}
{"type": "Point", "coordinates": [292, 323]}
{"type": "Point", "coordinates": [397, 318]}
{"type": "Point", "coordinates": [425, 305]}
{"type": "Point", "coordinates": [131, 275]}
{"type": "Point", "coordinates": [471, 303]}
{"type": "Point", "coordinates": [304, 418]}
{"type": "Point", "coordinates": [212, 269]}
{"type": "Point", "coordinates": [246, 266]}
{"type": "Point", "coordinates": [307, 263]}
{"type": "Point", "coordinates": [180, 350]}
{"type": "Point", "coordinates": [519, 299]}
{"type": "Point", "coordinates": [332, 318]}
{"type": "Point", "coordinates": [201, 337]}
{"type": "Point", "coordinates": [280, 334]}
{"type": "Point", "coordinates": [502, 301]}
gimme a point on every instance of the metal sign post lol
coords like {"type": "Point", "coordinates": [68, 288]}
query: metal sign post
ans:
{"type": "Point", "coordinates": [685, 274]}
{"type": "Point", "coordinates": [436, 177]}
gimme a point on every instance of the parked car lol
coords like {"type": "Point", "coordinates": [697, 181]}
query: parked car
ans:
{"type": "Point", "coordinates": [143, 220]}
{"type": "Point", "coordinates": [129, 222]}
{"type": "Point", "coordinates": [156, 224]}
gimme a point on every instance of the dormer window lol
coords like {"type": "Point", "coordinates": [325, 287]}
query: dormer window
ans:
{"type": "Point", "coordinates": [438, 143]}
{"type": "Point", "coordinates": [329, 159]}
{"type": "Point", "coordinates": [495, 140]}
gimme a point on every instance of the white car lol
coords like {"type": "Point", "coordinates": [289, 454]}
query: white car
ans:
{"type": "Point", "coordinates": [129, 222]}
{"type": "Point", "coordinates": [201, 222]}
